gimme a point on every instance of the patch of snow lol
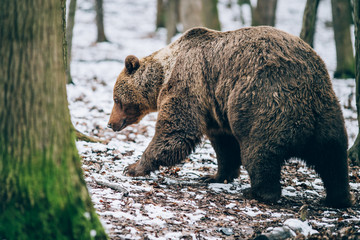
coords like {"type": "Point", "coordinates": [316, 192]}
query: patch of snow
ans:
{"type": "Point", "coordinates": [251, 211]}
{"type": "Point", "coordinates": [300, 226]}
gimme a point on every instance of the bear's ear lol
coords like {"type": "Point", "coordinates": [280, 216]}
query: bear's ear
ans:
{"type": "Point", "coordinates": [132, 63]}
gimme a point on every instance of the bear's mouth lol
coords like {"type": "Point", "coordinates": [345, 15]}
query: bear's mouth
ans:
{"type": "Point", "coordinates": [122, 126]}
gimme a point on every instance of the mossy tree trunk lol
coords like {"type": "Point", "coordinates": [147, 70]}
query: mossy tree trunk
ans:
{"type": "Point", "coordinates": [345, 67]}
{"type": "Point", "coordinates": [354, 151]}
{"type": "Point", "coordinates": [69, 33]}
{"type": "Point", "coordinates": [309, 21]}
{"type": "Point", "coordinates": [42, 191]}
{"type": "Point", "coordinates": [264, 13]}
{"type": "Point", "coordinates": [100, 21]}
{"type": "Point", "coordinates": [210, 16]}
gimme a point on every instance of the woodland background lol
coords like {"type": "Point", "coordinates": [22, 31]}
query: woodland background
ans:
{"type": "Point", "coordinates": [43, 194]}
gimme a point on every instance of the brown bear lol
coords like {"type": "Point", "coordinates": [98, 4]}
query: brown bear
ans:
{"type": "Point", "coordinates": [259, 94]}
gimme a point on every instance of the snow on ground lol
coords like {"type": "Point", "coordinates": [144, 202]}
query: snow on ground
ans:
{"type": "Point", "coordinates": [171, 203]}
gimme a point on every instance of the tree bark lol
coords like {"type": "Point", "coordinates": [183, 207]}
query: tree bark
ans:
{"type": "Point", "coordinates": [241, 3]}
{"type": "Point", "coordinates": [309, 22]}
{"type": "Point", "coordinates": [42, 191]}
{"type": "Point", "coordinates": [264, 13]}
{"type": "Point", "coordinates": [172, 17]}
{"type": "Point", "coordinates": [160, 14]}
{"type": "Point", "coordinates": [69, 33]}
{"type": "Point", "coordinates": [100, 21]}
{"type": "Point", "coordinates": [345, 67]}
{"type": "Point", "coordinates": [210, 16]}
{"type": "Point", "coordinates": [354, 151]}
{"type": "Point", "coordinates": [190, 14]}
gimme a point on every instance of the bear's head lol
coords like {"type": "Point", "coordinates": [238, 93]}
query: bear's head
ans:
{"type": "Point", "coordinates": [130, 102]}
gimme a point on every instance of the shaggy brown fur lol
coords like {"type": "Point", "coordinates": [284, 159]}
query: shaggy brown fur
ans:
{"type": "Point", "coordinates": [259, 94]}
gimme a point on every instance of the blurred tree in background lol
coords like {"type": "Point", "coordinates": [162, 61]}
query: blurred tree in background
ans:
{"type": "Point", "coordinates": [42, 191]}
{"type": "Point", "coordinates": [345, 62]}
{"type": "Point", "coordinates": [210, 15]}
{"type": "Point", "coordinates": [354, 151]}
{"type": "Point", "coordinates": [309, 22]}
{"type": "Point", "coordinates": [160, 14]}
{"type": "Point", "coordinates": [190, 13]}
{"type": "Point", "coordinates": [264, 13]}
{"type": "Point", "coordinates": [171, 18]}
{"type": "Point", "coordinates": [100, 21]}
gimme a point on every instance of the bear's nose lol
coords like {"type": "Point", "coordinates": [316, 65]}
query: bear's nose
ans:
{"type": "Point", "coordinates": [109, 125]}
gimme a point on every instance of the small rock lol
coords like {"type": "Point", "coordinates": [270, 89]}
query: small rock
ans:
{"type": "Point", "coordinates": [226, 231]}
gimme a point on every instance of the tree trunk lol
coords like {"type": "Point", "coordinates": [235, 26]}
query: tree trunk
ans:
{"type": "Point", "coordinates": [210, 16]}
{"type": "Point", "coordinates": [100, 21]}
{"type": "Point", "coordinates": [42, 191]}
{"type": "Point", "coordinates": [190, 14]}
{"type": "Point", "coordinates": [354, 151]}
{"type": "Point", "coordinates": [160, 14]}
{"type": "Point", "coordinates": [69, 33]}
{"type": "Point", "coordinates": [172, 17]}
{"type": "Point", "coordinates": [309, 22]}
{"type": "Point", "coordinates": [264, 13]}
{"type": "Point", "coordinates": [241, 3]}
{"type": "Point", "coordinates": [345, 67]}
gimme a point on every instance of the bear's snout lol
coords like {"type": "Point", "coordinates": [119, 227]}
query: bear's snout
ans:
{"type": "Point", "coordinates": [117, 127]}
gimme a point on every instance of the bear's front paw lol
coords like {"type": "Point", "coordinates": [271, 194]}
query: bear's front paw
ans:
{"type": "Point", "coordinates": [135, 170]}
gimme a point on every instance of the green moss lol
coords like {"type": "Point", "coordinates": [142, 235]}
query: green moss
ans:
{"type": "Point", "coordinates": [47, 220]}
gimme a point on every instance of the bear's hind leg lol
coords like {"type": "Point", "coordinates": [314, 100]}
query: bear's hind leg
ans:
{"type": "Point", "coordinates": [263, 164]}
{"type": "Point", "coordinates": [330, 162]}
{"type": "Point", "coordinates": [227, 151]}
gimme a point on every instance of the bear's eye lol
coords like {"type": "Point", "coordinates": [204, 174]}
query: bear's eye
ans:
{"type": "Point", "coordinates": [117, 101]}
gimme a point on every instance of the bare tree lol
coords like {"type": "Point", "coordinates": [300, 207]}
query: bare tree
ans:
{"type": "Point", "coordinates": [309, 21]}
{"type": "Point", "coordinates": [172, 18]}
{"type": "Point", "coordinates": [69, 33]}
{"type": "Point", "coordinates": [191, 14]}
{"type": "Point", "coordinates": [345, 67]}
{"type": "Point", "coordinates": [354, 151]}
{"type": "Point", "coordinates": [264, 13]}
{"type": "Point", "coordinates": [210, 16]}
{"type": "Point", "coordinates": [160, 14]}
{"type": "Point", "coordinates": [100, 21]}
{"type": "Point", "coordinates": [42, 190]}
{"type": "Point", "coordinates": [242, 3]}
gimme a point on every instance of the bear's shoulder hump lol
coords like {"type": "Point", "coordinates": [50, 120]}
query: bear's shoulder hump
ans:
{"type": "Point", "coordinates": [196, 32]}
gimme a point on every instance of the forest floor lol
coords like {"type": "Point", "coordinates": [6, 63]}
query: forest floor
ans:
{"type": "Point", "coordinates": [172, 203]}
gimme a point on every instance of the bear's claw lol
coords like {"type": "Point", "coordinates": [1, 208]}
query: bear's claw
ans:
{"type": "Point", "coordinates": [133, 170]}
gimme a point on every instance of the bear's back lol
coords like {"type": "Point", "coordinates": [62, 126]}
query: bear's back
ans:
{"type": "Point", "coordinates": [258, 68]}
{"type": "Point", "coordinates": [250, 50]}
{"type": "Point", "coordinates": [257, 57]}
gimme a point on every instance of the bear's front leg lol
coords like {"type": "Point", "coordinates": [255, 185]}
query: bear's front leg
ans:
{"type": "Point", "coordinates": [176, 136]}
